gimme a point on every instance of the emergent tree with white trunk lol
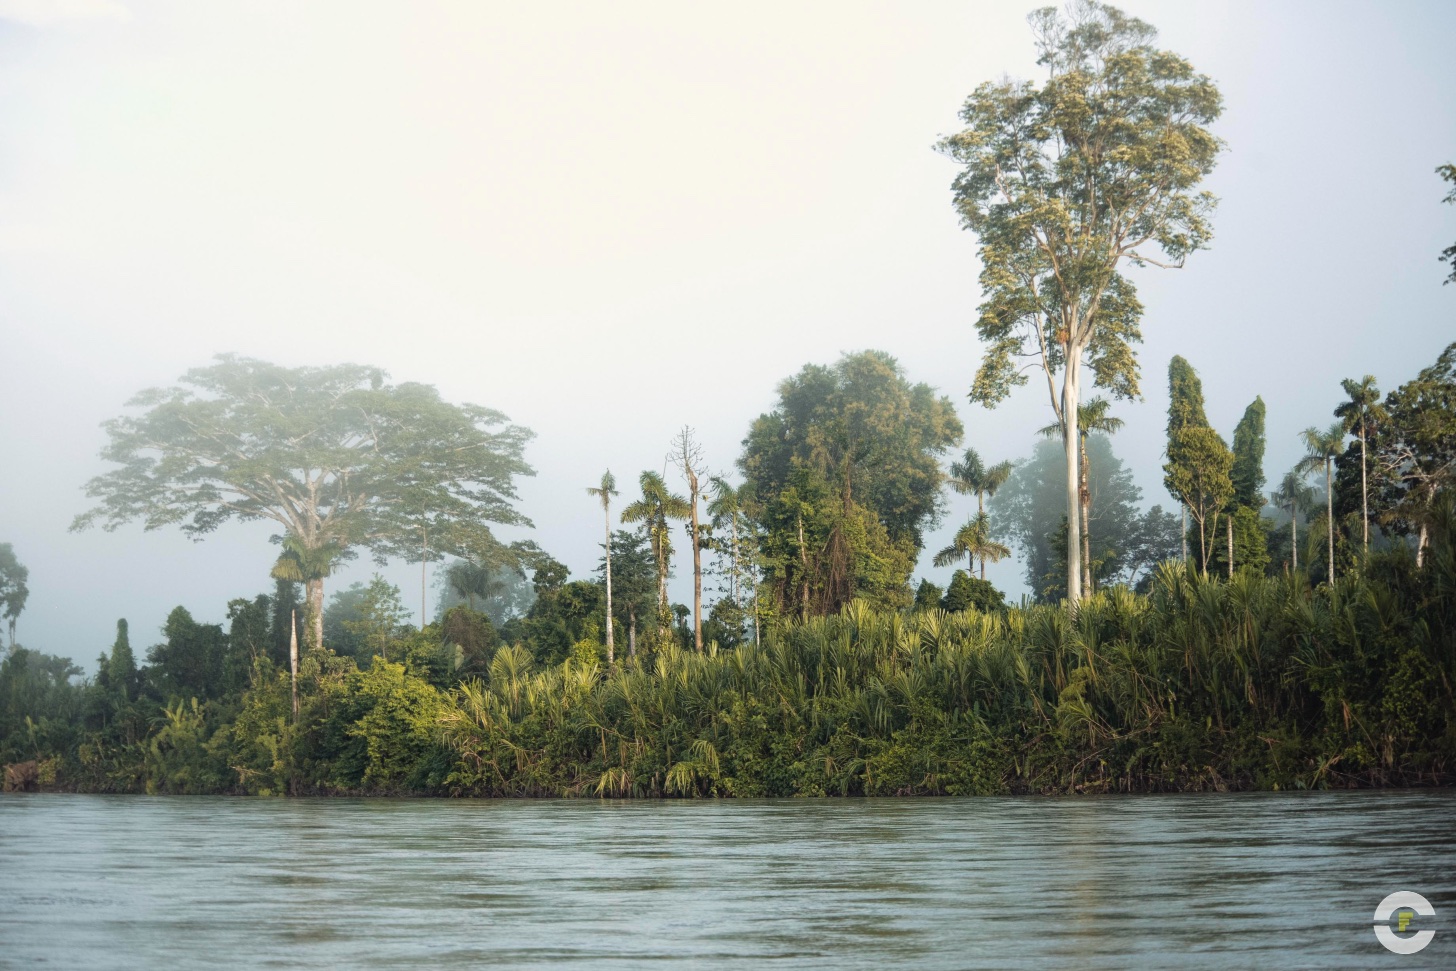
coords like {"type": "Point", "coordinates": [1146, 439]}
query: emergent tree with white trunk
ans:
{"type": "Point", "coordinates": [605, 492]}
{"type": "Point", "coordinates": [1064, 183]}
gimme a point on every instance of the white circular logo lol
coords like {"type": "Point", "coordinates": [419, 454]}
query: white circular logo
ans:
{"type": "Point", "coordinates": [1403, 906]}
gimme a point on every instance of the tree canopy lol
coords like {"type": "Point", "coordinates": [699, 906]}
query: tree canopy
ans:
{"type": "Point", "coordinates": [336, 456]}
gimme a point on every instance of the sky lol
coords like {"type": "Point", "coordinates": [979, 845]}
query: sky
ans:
{"type": "Point", "coordinates": [613, 220]}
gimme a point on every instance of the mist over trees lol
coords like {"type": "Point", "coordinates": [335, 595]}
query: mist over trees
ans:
{"type": "Point", "coordinates": [1254, 637]}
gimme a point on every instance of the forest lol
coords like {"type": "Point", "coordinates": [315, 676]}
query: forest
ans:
{"type": "Point", "coordinates": [1291, 631]}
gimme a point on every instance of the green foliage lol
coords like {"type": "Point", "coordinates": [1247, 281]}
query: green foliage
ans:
{"type": "Point", "coordinates": [1247, 473]}
{"type": "Point", "coordinates": [13, 588]}
{"type": "Point", "coordinates": [866, 434]}
{"type": "Point", "coordinates": [971, 593]}
{"type": "Point", "coordinates": [191, 662]}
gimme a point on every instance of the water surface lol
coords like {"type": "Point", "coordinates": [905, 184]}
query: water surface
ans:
{"type": "Point", "coordinates": [1216, 881]}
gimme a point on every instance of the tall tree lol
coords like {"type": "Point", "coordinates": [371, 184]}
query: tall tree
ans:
{"type": "Point", "coordinates": [13, 589]}
{"type": "Point", "coordinates": [1321, 448]}
{"type": "Point", "coordinates": [1198, 474]}
{"type": "Point", "coordinates": [605, 491]}
{"type": "Point", "coordinates": [1247, 477]}
{"type": "Point", "coordinates": [634, 574]}
{"type": "Point", "coordinates": [1248, 468]}
{"type": "Point", "coordinates": [654, 510]}
{"type": "Point", "coordinates": [1358, 412]}
{"type": "Point", "coordinates": [1185, 410]}
{"type": "Point", "coordinates": [1296, 496]}
{"type": "Point", "coordinates": [335, 455]}
{"type": "Point", "coordinates": [970, 476]}
{"type": "Point", "coordinates": [847, 474]}
{"type": "Point", "coordinates": [1065, 182]}
{"type": "Point", "coordinates": [687, 455]}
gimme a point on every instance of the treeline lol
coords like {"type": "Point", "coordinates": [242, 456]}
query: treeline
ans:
{"type": "Point", "coordinates": [1200, 684]}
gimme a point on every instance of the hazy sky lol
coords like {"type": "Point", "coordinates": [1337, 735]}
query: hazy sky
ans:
{"type": "Point", "coordinates": [611, 220]}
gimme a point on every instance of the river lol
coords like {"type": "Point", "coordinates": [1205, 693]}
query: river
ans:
{"type": "Point", "coordinates": [1211, 881]}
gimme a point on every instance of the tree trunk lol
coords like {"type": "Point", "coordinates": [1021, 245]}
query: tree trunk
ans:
{"type": "Point", "coordinates": [632, 634]}
{"type": "Point", "coordinates": [697, 570]}
{"type": "Point", "coordinates": [1203, 547]}
{"type": "Point", "coordinates": [1364, 491]}
{"type": "Point", "coordinates": [611, 649]}
{"type": "Point", "coordinates": [1084, 495]}
{"type": "Point", "coordinates": [315, 594]}
{"type": "Point", "coordinates": [293, 658]}
{"type": "Point", "coordinates": [1293, 536]}
{"type": "Point", "coordinates": [1231, 547]}
{"type": "Point", "coordinates": [1330, 517]}
{"type": "Point", "coordinates": [1070, 439]}
{"type": "Point", "coordinates": [804, 570]}
{"type": "Point", "coordinates": [1421, 547]}
{"type": "Point", "coordinates": [1184, 507]}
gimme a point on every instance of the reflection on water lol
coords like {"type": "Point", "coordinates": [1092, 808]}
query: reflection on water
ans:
{"type": "Point", "coordinates": [1266, 880]}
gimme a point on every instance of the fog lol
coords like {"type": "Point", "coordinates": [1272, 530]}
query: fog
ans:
{"type": "Point", "coordinates": [610, 221]}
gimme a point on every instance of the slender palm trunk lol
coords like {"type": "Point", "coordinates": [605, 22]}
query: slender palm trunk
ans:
{"type": "Point", "coordinates": [1421, 547]}
{"type": "Point", "coordinates": [1293, 536]}
{"type": "Point", "coordinates": [1084, 495]}
{"type": "Point", "coordinates": [1330, 517]}
{"type": "Point", "coordinates": [1184, 507]}
{"type": "Point", "coordinates": [1070, 439]}
{"type": "Point", "coordinates": [1231, 547]}
{"type": "Point", "coordinates": [293, 659]}
{"type": "Point", "coordinates": [980, 511]}
{"type": "Point", "coordinates": [611, 649]}
{"type": "Point", "coordinates": [632, 634]}
{"type": "Point", "coordinates": [1364, 491]}
{"type": "Point", "coordinates": [697, 574]}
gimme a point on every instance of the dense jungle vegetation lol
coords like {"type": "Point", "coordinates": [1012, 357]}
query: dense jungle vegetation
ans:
{"type": "Point", "coordinates": [1298, 637]}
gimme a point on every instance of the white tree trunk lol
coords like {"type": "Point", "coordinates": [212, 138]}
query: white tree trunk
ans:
{"type": "Point", "coordinates": [1364, 491]}
{"type": "Point", "coordinates": [611, 650]}
{"type": "Point", "coordinates": [1330, 517]}
{"type": "Point", "coordinates": [1231, 548]}
{"type": "Point", "coordinates": [315, 593]}
{"type": "Point", "coordinates": [293, 658]}
{"type": "Point", "coordinates": [1070, 441]}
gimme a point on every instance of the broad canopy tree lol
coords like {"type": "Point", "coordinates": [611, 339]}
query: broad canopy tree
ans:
{"type": "Point", "coordinates": [1063, 184]}
{"type": "Point", "coordinates": [336, 456]}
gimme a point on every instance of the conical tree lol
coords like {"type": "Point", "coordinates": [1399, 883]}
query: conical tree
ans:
{"type": "Point", "coordinates": [605, 491]}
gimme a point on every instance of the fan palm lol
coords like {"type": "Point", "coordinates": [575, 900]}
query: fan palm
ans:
{"type": "Point", "coordinates": [1321, 449]}
{"type": "Point", "coordinates": [605, 492]}
{"type": "Point", "coordinates": [1358, 414]}
{"type": "Point", "coordinates": [657, 507]}
{"type": "Point", "coordinates": [1092, 416]}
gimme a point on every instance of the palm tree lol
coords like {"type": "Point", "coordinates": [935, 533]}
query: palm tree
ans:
{"type": "Point", "coordinates": [1297, 497]}
{"type": "Point", "coordinates": [973, 540]}
{"type": "Point", "coordinates": [969, 476]}
{"type": "Point", "coordinates": [470, 580]}
{"type": "Point", "coordinates": [1322, 447]}
{"type": "Point", "coordinates": [309, 566]}
{"type": "Point", "coordinates": [605, 492]}
{"type": "Point", "coordinates": [1357, 414]}
{"type": "Point", "coordinates": [1092, 416]}
{"type": "Point", "coordinates": [657, 506]}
